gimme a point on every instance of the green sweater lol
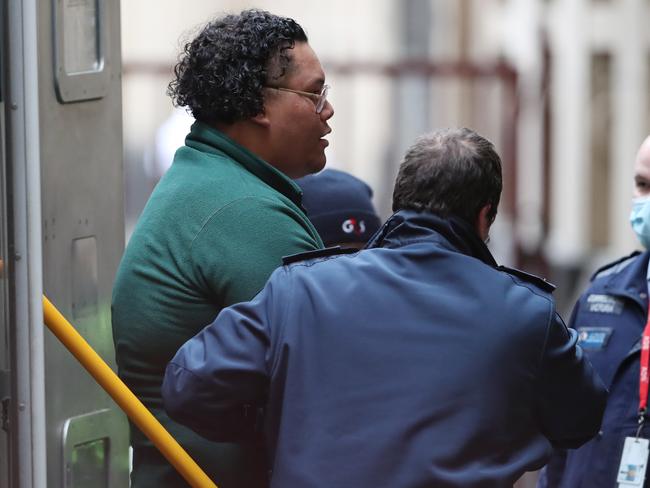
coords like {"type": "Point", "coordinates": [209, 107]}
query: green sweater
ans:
{"type": "Point", "coordinates": [215, 227]}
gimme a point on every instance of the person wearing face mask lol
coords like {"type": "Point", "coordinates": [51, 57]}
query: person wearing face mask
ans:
{"type": "Point", "coordinates": [611, 318]}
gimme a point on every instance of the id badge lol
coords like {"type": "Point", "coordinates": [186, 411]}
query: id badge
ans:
{"type": "Point", "coordinates": [634, 460]}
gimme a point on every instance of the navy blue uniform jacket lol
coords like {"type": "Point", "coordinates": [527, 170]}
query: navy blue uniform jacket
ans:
{"type": "Point", "coordinates": [609, 317]}
{"type": "Point", "coordinates": [415, 363]}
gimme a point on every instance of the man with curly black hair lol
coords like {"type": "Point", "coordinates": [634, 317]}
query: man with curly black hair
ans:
{"type": "Point", "coordinates": [222, 217]}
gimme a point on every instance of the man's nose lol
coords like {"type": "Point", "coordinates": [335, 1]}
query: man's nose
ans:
{"type": "Point", "coordinates": [328, 111]}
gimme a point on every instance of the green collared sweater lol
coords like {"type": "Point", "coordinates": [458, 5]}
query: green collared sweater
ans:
{"type": "Point", "coordinates": [215, 227]}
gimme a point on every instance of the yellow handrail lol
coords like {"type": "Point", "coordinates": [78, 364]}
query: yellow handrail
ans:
{"type": "Point", "coordinates": [124, 397]}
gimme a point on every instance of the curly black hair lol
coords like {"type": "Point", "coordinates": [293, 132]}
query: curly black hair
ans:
{"type": "Point", "coordinates": [221, 73]}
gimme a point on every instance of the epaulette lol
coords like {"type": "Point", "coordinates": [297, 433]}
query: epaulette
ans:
{"type": "Point", "coordinates": [318, 253]}
{"type": "Point", "coordinates": [614, 266]}
{"type": "Point", "coordinates": [538, 281]}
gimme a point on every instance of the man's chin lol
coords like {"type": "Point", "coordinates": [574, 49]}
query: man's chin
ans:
{"type": "Point", "coordinates": [318, 165]}
{"type": "Point", "coordinates": [314, 166]}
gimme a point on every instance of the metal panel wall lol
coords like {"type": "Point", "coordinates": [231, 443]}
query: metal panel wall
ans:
{"type": "Point", "coordinates": [5, 392]}
{"type": "Point", "coordinates": [83, 240]}
{"type": "Point", "coordinates": [24, 265]}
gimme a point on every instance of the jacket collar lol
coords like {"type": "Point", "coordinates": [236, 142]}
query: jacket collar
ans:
{"type": "Point", "coordinates": [409, 226]}
{"type": "Point", "coordinates": [208, 139]}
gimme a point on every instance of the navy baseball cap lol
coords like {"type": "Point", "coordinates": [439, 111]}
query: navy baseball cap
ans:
{"type": "Point", "coordinates": [340, 206]}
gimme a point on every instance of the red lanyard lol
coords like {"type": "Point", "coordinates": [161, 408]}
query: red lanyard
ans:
{"type": "Point", "coordinates": [644, 381]}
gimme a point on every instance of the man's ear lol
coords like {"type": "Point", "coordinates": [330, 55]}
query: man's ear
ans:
{"type": "Point", "coordinates": [261, 119]}
{"type": "Point", "coordinates": [483, 222]}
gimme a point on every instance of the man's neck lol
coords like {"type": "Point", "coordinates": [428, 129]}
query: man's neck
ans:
{"type": "Point", "coordinates": [249, 135]}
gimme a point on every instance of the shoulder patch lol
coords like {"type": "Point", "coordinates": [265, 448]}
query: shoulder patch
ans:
{"type": "Point", "coordinates": [318, 253]}
{"type": "Point", "coordinates": [615, 266]}
{"type": "Point", "coordinates": [530, 278]}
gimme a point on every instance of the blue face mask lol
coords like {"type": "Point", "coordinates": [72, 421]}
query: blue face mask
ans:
{"type": "Point", "coordinates": [640, 220]}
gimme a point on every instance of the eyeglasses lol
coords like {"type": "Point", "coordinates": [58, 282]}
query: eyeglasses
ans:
{"type": "Point", "coordinates": [318, 98]}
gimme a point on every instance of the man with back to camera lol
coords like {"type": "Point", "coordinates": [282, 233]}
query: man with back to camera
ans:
{"type": "Point", "coordinates": [416, 362]}
{"type": "Point", "coordinates": [340, 207]}
{"type": "Point", "coordinates": [221, 218]}
{"type": "Point", "coordinates": [610, 318]}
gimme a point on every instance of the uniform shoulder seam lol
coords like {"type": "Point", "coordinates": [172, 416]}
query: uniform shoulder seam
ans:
{"type": "Point", "coordinates": [531, 288]}
{"type": "Point", "coordinates": [328, 252]}
{"type": "Point", "coordinates": [615, 266]}
{"type": "Point", "coordinates": [529, 278]}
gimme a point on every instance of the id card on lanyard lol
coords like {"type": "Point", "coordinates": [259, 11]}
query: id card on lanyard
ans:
{"type": "Point", "coordinates": [634, 458]}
